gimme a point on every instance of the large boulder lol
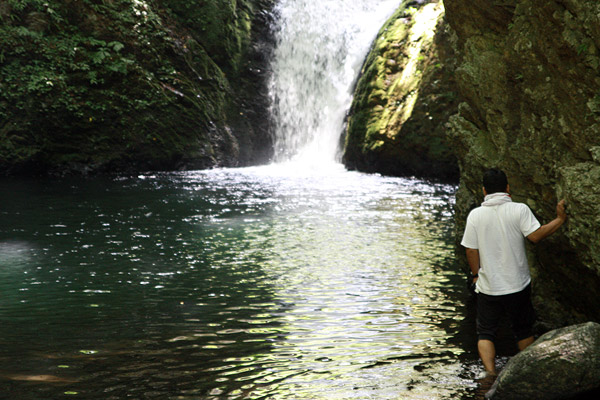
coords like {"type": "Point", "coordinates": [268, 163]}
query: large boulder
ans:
{"type": "Point", "coordinates": [404, 97]}
{"type": "Point", "coordinates": [561, 364]}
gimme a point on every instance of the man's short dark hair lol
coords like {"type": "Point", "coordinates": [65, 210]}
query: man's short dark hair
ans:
{"type": "Point", "coordinates": [494, 181]}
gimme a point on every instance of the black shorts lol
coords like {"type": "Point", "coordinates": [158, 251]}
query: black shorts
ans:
{"type": "Point", "coordinates": [517, 305]}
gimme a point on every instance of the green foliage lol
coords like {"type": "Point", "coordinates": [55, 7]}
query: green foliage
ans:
{"type": "Point", "coordinates": [94, 81]}
{"type": "Point", "coordinates": [582, 48]}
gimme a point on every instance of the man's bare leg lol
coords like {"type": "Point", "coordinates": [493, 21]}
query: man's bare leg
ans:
{"type": "Point", "coordinates": [487, 352]}
{"type": "Point", "coordinates": [523, 344]}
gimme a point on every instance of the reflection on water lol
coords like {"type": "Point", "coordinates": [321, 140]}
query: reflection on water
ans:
{"type": "Point", "coordinates": [251, 283]}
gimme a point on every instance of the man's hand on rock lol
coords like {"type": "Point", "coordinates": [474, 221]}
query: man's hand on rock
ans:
{"type": "Point", "coordinates": [561, 212]}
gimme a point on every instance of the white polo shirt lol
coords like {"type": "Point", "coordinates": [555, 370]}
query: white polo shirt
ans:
{"type": "Point", "coordinates": [498, 229]}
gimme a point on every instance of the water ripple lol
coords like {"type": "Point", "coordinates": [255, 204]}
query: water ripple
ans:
{"type": "Point", "coordinates": [232, 284]}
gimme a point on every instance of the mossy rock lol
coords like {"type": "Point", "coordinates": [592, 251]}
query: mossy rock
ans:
{"type": "Point", "coordinates": [404, 97]}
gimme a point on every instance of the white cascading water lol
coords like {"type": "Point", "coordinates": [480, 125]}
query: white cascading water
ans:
{"type": "Point", "coordinates": [321, 46]}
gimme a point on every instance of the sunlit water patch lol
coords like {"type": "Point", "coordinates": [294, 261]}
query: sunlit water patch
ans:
{"type": "Point", "coordinates": [270, 283]}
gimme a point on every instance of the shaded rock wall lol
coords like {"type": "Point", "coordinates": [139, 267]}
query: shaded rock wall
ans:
{"type": "Point", "coordinates": [529, 73]}
{"type": "Point", "coordinates": [404, 96]}
{"type": "Point", "coordinates": [132, 84]}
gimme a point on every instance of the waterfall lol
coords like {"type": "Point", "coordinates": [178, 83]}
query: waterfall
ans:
{"type": "Point", "coordinates": [321, 45]}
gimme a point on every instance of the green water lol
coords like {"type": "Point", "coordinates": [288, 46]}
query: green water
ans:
{"type": "Point", "coordinates": [258, 283]}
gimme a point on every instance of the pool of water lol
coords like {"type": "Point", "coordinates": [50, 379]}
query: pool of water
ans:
{"type": "Point", "coordinates": [274, 282]}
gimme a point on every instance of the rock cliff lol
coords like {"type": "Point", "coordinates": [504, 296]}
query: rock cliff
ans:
{"type": "Point", "coordinates": [132, 84]}
{"type": "Point", "coordinates": [528, 71]}
{"type": "Point", "coordinates": [404, 96]}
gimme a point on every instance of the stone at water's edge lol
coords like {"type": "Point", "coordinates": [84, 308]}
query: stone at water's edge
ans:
{"type": "Point", "coordinates": [560, 365]}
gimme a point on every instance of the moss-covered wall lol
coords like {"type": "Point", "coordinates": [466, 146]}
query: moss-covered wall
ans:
{"type": "Point", "coordinates": [529, 72]}
{"type": "Point", "coordinates": [404, 97]}
{"type": "Point", "coordinates": [131, 84]}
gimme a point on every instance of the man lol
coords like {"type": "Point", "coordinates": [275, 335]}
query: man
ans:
{"type": "Point", "coordinates": [495, 246]}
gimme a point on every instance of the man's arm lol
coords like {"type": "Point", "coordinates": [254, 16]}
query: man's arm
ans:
{"type": "Point", "coordinates": [546, 230]}
{"type": "Point", "coordinates": [473, 260]}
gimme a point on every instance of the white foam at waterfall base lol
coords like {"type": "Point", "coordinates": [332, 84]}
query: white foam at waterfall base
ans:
{"type": "Point", "coordinates": [321, 46]}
